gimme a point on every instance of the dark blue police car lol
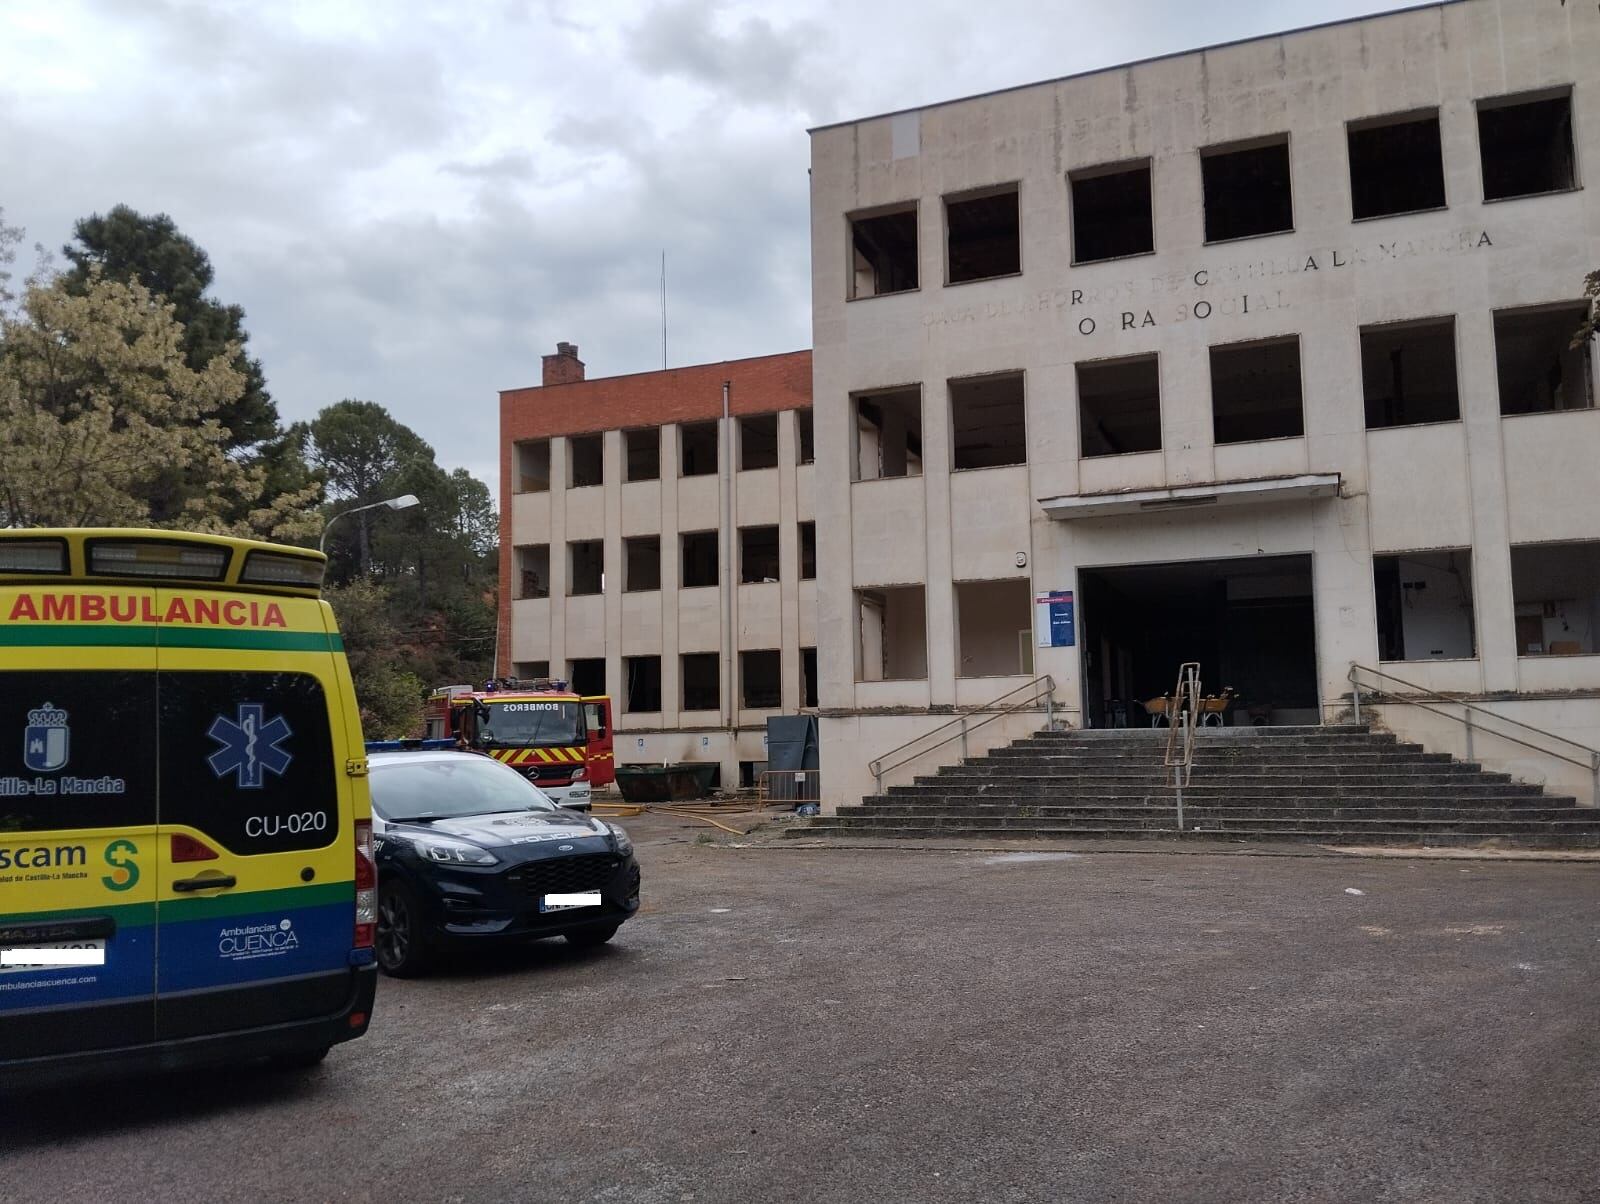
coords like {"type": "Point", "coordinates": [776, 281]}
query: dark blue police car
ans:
{"type": "Point", "coordinates": [470, 850]}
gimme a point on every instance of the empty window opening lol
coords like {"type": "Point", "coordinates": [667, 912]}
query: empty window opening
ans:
{"type": "Point", "coordinates": [892, 631]}
{"type": "Point", "coordinates": [808, 551]}
{"type": "Point", "coordinates": [1255, 391]}
{"type": "Point", "coordinates": [698, 441]}
{"type": "Point", "coordinates": [699, 559]}
{"type": "Point", "coordinates": [758, 554]}
{"type": "Point", "coordinates": [805, 437]}
{"type": "Point", "coordinates": [984, 234]}
{"type": "Point", "coordinates": [1526, 145]}
{"type": "Point", "coordinates": [988, 421]}
{"type": "Point", "coordinates": [587, 675]}
{"type": "Point", "coordinates": [1408, 373]}
{"type": "Point", "coordinates": [994, 628]}
{"type": "Point", "coordinates": [1539, 368]}
{"type": "Point", "coordinates": [702, 681]}
{"type": "Point", "coordinates": [641, 450]}
{"type": "Point", "coordinates": [533, 466]}
{"type": "Point", "coordinates": [1111, 212]}
{"type": "Point", "coordinates": [1556, 589]}
{"type": "Point", "coordinates": [1119, 406]}
{"type": "Point", "coordinates": [528, 670]}
{"type": "Point", "coordinates": [1425, 606]}
{"type": "Point", "coordinates": [761, 680]}
{"type": "Point", "coordinates": [642, 681]}
{"type": "Point", "coordinates": [808, 677]}
{"type": "Point", "coordinates": [587, 454]}
{"type": "Point", "coordinates": [586, 571]}
{"type": "Point", "coordinates": [889, 434]}
{"type": "Point", "coordinates": [883, 253]}
{"type": "Point", "coordinates": [533, 571]}
{"type": "Point", "coordinates": [758, 441]}
{"type": "Point", "coordinates": [1247, 190]}
{"type": "Point", "coordinates": [641, 568]}
{"type": "Point", "coordinates": [1396, 165]}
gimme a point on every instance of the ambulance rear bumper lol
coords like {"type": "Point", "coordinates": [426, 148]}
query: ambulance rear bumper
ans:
{"type": "Point", "coordinates": [214, 1049]}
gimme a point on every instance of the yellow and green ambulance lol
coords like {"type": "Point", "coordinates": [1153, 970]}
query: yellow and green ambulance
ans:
{"type": "Point", "coordinates": [186, 871]}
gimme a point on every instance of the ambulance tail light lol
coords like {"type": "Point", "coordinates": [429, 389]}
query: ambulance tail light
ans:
{"type": "Point", "coordinates": [366, 886]}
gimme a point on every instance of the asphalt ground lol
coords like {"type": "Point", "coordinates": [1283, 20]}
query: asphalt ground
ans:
{"type": "Point", "coordinates": [787, 1023]}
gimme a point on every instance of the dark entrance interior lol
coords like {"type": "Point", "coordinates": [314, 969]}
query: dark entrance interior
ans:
{"type": "Point", "coordinates": [1248, 622]}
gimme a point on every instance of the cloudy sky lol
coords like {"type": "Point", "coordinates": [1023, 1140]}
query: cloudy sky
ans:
{"type": "Point", "coordinates": [414, 200]}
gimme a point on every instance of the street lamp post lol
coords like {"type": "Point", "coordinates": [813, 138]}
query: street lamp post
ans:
{"type": "Point", "coordinates": [404, 502]}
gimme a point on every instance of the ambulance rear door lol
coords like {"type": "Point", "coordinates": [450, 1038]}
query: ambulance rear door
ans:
{"type": "Point", "coordinates": [77, 823]}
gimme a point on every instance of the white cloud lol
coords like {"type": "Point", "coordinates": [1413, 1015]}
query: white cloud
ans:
{"type": "Point", "coordinates": [414, 201]}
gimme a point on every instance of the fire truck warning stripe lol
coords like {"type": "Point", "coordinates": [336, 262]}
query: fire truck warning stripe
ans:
{"type": "Point", "coordinates": [56, 635]}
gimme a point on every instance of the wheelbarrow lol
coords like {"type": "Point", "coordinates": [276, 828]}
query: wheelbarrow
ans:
{"type": "Point", "coordinates": [1214, 707]}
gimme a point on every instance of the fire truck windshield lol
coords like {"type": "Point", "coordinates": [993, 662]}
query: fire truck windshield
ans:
{"type": "Point", "coordinates": [531, 723]}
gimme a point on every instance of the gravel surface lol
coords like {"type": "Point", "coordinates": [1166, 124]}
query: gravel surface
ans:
{"type": "Point", "coordinates": [860, 1025]}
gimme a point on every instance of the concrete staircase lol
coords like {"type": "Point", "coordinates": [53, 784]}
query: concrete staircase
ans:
{"type": "Point", "coordinates": [1329, 785]}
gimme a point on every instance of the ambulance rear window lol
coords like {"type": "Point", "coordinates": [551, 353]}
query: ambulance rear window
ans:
{"type": "Point", "coordinates": [77, 749]}
{"type": "Point", "coordinates": [247, 759]}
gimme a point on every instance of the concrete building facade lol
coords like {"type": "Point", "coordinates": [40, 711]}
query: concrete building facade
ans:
{"type": "Point", "coordinates": [657, 544]}
{"type": "Point", "coordinates": [1259, 353]}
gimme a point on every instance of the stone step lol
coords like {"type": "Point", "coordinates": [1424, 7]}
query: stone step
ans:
{"type": "Point", "coordinates": [1036, 787]}
{"type": "Point", "coordinates": [1397, 836]}
{"type": "Point", "coordinates": [1572, 817]}
{"type": "Point", "coordinates": [980, 770]}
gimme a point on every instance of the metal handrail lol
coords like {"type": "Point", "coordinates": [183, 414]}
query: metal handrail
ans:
{"type": "Point", "coordinates": [1186, 698]}
{"type": "Point", "coordinates": [1044, 687]}
{"type": "Point", "coordinates": [1590, 760]}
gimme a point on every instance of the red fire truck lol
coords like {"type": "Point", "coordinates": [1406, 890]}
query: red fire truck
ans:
{"type": "Point", "coordinates": [562, 741]}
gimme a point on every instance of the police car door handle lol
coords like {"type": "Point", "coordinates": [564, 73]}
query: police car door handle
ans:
{"type": "Point", "coordinates": [214, 882]}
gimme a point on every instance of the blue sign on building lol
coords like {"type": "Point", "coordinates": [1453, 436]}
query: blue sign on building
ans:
{"type": "Point", "coordinates": [1053, 619]}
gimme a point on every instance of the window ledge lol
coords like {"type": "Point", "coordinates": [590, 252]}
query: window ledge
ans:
{"type": "Point", "coordinates": [991, 467]}
{"type": "Point", "coordinates": [1228, 242]}
{"type": "Point", "coordinates": [1411, 426]}
{"type": "Point", "coordinates": [1530, 196]}
{"type": "Point", "coordinates": [879, 296]}
{"type": "Point", "coordinates": [1215, 442]}
{"type": "Point", "coordinates": [1557, 656]}
{"type": "Point", "coordinates": [983, 279]}
{"type": "Point", "coordinates": [1383, 217]}
{"type": "Point", "coordinates": [1089, 263]}
{"type": "Point", "coordinates": [1431, 660]}
{"type": "Point", "coordinates": [1547, 413]}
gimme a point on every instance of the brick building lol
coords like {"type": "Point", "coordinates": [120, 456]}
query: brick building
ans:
{"type": "Point", "coordinates": [657, 544]}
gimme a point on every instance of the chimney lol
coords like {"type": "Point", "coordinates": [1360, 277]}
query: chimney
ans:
{"type": "Point", "coordinates": [564, 367]}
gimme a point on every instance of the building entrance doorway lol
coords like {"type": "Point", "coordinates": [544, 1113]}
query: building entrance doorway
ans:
{"type": "Point", "coordinates": [1248, 622]}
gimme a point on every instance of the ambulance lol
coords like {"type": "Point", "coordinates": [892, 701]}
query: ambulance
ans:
{"type": "Point", "coordinates": [186, 868]}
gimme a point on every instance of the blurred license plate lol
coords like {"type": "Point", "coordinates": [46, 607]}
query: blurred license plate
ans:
{"type": "Point", "coordinates": [588, 898]}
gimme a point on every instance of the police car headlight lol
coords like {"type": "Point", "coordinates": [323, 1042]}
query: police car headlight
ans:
{"type": "Point", "coordinates": [454, 852]}
{"type": "Point", "coordinates": [624, 845]}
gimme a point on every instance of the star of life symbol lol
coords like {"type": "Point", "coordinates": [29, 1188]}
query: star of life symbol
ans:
{"type": "Point", "coordinates": [44, 740]}
{"type": "Point", "coordinates": [249, 746]}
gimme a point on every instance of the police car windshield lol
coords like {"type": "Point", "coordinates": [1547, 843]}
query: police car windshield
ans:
{"type": "Point", "coordinates": [451, 787]}
{"type": "Point", "coordinates": [530, 723]}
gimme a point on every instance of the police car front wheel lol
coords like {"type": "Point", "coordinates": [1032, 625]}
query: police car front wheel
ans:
{"type": "Point", "coordinates": [400, 948]}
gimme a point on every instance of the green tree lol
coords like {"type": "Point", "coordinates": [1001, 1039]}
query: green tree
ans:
{"type": "Point", "coordinates": [388, 691]}
{"type": "Point", "coordinates": [126, 245]}
{"type": "Point", "coordinates": [364, 455]}
{"type": "Point", "coordinates": [98, 405]}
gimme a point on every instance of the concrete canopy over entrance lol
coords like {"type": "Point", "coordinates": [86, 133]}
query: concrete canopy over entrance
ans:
{"type": "Point", "coordinates": [1249, 622]}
